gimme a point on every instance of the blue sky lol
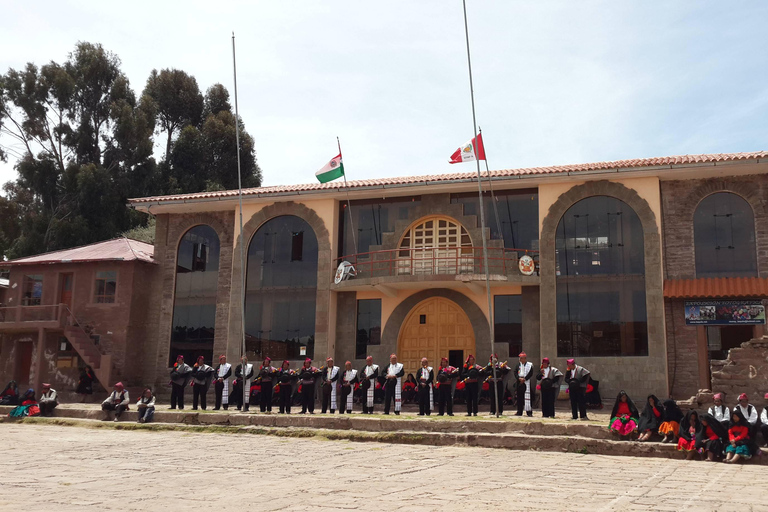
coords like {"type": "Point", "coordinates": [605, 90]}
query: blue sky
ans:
{"type": "Point", "coordinates": [556, 82]}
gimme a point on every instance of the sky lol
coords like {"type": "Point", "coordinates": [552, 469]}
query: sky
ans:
{"type": "Point", "coordinates": [556, 82]}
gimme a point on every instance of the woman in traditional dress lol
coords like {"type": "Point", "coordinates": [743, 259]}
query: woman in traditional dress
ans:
{"type": "Point", "coordinates": [711, 438]}
{"type": "Point", "coordinates": [624, 416]}
{"type": "Point", "coordinates": [651, 418]}
{"type": "Point", "coordinates": [28, 406]}
{"type": "Point", "coordinates": [409, 389]}
{"type": "Point", "coordinates": [670, 427]}
{"type": "Point", "coordinates": [85, 384]}
{"type": "Point", "coordinates": [738, 438]}
{"type": "Point", "coordinates": [689, 430]}
{"type": "Point", "coordinates": [10, 395]}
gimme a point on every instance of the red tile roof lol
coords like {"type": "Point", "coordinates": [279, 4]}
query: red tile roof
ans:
{"type": "Point", "coordinates": [716, 287]}
{"type": "Point", "coordinates": [639, 163]}
{"type": "Point", "coordinates": [117, 249]}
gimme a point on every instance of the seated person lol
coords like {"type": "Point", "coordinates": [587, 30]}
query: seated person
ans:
{"type": "Point", "coordinates": [146, 406]}
{"type": "Point", "coordinates": [48, 400]}
{"type": "Point", "coordinates": [28, 406]}
{"type": "Point", "coordinates": [689, 431]}
{"type": "Point", "coordinates": [738, 437]}
{"type": "Point", "coordinates": [670, 427]}
{"type": "Point", "coordinates": [409, 389]}
{"type": "Point", "coordinates": [720, 411]}
{"type": "Point", "coordinates": [711, 438]}
{"type": "Point", "coordinates": [651, 418]}
{"type": "Point", "coordinates": [764, 421]}
{"type": "Point", "coordinates": [10, 395]}
{"type": "Point", "coordinates": [117, 401]}
{"type": "Point", "coordinates": [624, 416]}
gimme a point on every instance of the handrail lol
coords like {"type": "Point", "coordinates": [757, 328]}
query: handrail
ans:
{"type": "Point", "coordinates": [36, 313]}
{"type": "Point", "coordinates": [79, 326]}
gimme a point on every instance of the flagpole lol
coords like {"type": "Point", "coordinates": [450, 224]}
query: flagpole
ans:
{"type": "Point", "coordinates": [349, 204]}
{"type": "Point", "coordinates": [490, 185]}
{"type": "Point", "coordinates": [242, 241]}
{"type": "Point", "coordinates": [482, 216]}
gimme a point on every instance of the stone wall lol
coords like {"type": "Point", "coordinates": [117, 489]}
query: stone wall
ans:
{"type": "Point", "coordinates": [682, 352]}
{"type": "Point", "coordinates": [744, 371]}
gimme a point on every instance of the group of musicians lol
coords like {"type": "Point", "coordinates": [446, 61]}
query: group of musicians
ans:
{"type": "Point", "coordinates": [336, 381]}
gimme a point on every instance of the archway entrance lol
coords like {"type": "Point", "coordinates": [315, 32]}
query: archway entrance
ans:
{"type": "Point", "coordinates": [435, 328]}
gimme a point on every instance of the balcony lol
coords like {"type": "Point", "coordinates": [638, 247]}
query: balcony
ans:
{"type": "Point", "coordinates": [30, 318]}
{"type": "Point", "coordinates": [444, 267]}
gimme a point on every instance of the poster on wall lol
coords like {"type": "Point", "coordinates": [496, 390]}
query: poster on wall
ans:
{"type": "Point", "coordinates": [724, 312]}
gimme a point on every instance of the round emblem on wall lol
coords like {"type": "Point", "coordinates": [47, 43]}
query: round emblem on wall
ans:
{"type": "Point", "coordinates": [526, 265]}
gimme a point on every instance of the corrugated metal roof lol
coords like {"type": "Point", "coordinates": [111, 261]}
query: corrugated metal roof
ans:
{"type": "Point", "coordinates": [117, 249]}
{"type": "Point", "coordinates": [638, 163]}
{"type": "Point", "coordinates": [4, 282]}
{"type": "Point", "coordinates": [716, 287]}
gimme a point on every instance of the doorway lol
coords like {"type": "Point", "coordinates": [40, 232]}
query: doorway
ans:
{"type": "Point", "coordinates": [65, 289]}
{"type": "Point", "coordinates": [23, 363]}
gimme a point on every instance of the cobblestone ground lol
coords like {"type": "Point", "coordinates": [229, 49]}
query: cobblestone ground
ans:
{"type": "Point", "coordinates": [72, 468]}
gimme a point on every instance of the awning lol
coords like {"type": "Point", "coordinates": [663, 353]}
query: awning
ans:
{"type": "Point", "coordinates": [716, 287]}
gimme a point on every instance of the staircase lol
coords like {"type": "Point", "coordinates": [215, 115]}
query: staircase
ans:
{"type": "Point", "coordinates": [90, 352]}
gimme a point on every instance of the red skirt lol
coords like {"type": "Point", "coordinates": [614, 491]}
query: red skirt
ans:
{"type": "Point", "coordinates": [686, 446]}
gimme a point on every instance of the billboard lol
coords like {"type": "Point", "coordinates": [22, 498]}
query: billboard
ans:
{"type": "Point", "coordinates": [724, 312]}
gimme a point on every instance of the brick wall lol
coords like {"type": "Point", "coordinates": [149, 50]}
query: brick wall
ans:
{"type": "Point", "coordinates": [682, 352]}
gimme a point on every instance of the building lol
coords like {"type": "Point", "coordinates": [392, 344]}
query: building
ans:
{"type": "Point", "coordinates": [66, 309]}
{"type": "Point", "coordinates": [643, 270]}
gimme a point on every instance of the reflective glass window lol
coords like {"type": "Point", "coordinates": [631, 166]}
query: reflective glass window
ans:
{"type": "Point", "coordinates": [371, 219]}
{"type": "Point", "coordinates": [508, 322]}
{"type": "Point", "coordinates": [724, 237]}
{"type": "Point", "coordinates": [368, 326]}
{"type": "Point", "coordinates": [518, 216]}
{"type": "Point", "coordinates": [106, 287]}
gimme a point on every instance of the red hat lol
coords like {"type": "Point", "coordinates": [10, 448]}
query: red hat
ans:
{"type": "Point", "coordinates": [307, 360]}
{"type": "Point", "coordinates": [328, 359]}
{"type": "Point", "coordinates": [267, 358]}
{"type": "Point", "coordinates": [443, 359]}
{"type": "Point", "coordinates": [743, 396]}
{"type": "Point", "coordinates": [424, 359]}
{"type": "Point", "coordinates": [201, 357]}
{"type": "Point", "coordinates": [119, 385]}
{"type": "Point", "coordinates": [286, 362]}
{"type": "Point", "coordinates": [766, 396]}
{"type": "Point", "coordinates": [348, 362]}
{"type": "Point", "coordinates": [571, 361]}
{"type": "Point", "coordinates": [470, 356]}
{"type": "Point", "coordinates": [392, 355]}
{"type": "Point", "coordinates": [46, 385]}
{"type": "Point", "coordinates": [545, 360]}
{"type": "Point", "coordinates": [222, 356]}
{"type": "Point", "coordinates": [493, 356]}
{"type": "Point", "coordinates": [369, 357]}
{"type": "Point", "coordinates": [522, 354]}
{"type": "Point", "coordinates": [179, 357]}
{"type": "Point", "coordinates": [717, 396]}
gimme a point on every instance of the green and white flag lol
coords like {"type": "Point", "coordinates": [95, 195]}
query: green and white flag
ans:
{"type": "Point", "coordinates": [330, 171]}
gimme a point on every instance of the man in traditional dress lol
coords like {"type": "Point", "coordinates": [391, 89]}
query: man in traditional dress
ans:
{"type": "Point", "coordinates": [496, 382]}
{"type": "Point", "coordinates": [446, 376]}
{"type": "Point", "coordinates": [720, 411]}
{"type": "Point", "coordinates": [424, 377]}
{"type": "Point", "coordinates": [348, 381]}
{"type": "Point", "coordinates": [750, 413]}
{"type": "Point", "coordinates": [368, 377]}
{"type": "Point", "coordinates": [308, 374]}
{"type": "Point", "coordinates": [267, 374]}
{"type": "Point", "coordinates": [117, 401]}
{"type": "Point", "coordinates": [202, 374]}
{"type": "Point", "coordinates": [330, 378]}
{"type": "Point", "coordinates": [764, 421]}
{"type": "Point", "coordinates": [243, 376]}
{"type": "Point", "coordinates": [146, 406]}
{"type": "Point", "coordinates": [393, 386]}
{"type": "Point", "coordinates": [470, 374]}
{"type": "Point", "coordinates": [223, 372]}
{"type": "Point", "coordinates": [523, 372]}
{"type": "Point", "coordinates": [285, 378]}
{"type": "Point", "coordinates": [549, 378]}
{"type": "Point", "coordinates": [48, 400]}
{"type": "Point", "coordinates": [577, 378]}
{"type": "Point", "coordinates": [180, 376]}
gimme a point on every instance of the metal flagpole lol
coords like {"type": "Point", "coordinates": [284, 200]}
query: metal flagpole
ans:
{"type": "Point", "coordinates": [242, 241]}
{"type": "Point", "coordinates": [482, 216]}
{"type": "Point", "coordinates": [349, 204]}
{"type": "Point", "coordinates": [490, 186]}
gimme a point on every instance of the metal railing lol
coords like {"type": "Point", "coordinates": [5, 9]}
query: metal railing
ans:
{"type": "Point", "coordinates": [437, 261]}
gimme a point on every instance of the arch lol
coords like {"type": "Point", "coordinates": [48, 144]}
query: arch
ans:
{"type": "Point", "coordinates": [436, 244]}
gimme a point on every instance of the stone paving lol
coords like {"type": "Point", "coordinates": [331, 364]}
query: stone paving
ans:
{"type": "Point", "coordinates": [59, 468]}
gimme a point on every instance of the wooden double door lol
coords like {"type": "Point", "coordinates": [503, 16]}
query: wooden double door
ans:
{"type": "Point", "coordinates": [435, 328]}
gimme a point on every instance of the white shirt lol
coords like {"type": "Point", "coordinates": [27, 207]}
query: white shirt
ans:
{"type": "Point", "coordinates": [752, 418]}
{"type": "Point", "coordinates": [49, 396]}
{"type": "Point", "coordinates": [724, 416]}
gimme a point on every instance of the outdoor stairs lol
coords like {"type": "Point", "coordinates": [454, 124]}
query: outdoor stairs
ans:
{"type": "Point", "coordinates": [92, 354]}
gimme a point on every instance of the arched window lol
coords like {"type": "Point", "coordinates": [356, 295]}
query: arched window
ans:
{"type": "Point", "coordinates": [281, 286]}
{"type": "Point", "coordinates": [437, 245]}
{"type": "Point", "coordinates": [194, 309]}
{"type": "Point", "coordinates": [600, 276]}
{"type": "Point", "coordinates": [724, 237]}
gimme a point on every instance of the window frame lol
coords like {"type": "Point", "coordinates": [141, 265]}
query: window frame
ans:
{"type": "Point", "coordinates": [36, 301]}
{"type": "Point", "coordinates": [95, 295]}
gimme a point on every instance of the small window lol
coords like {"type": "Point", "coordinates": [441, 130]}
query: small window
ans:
{"type": "Point", "coordinates": [422, 319]}
{"type": "Point", "coordinates": [106, 287]}
{"type": "Point", "coordinates": [199, 257]}
{"type": "Point", "coordinates": [32, 290]}
{"type": "Point", "coordinates": [297, 245]}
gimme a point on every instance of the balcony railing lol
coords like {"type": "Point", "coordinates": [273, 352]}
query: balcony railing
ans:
{"type": "Point", "coordinates": [19, 314]}
{"type": "Point", "coordinates": [437, 261]}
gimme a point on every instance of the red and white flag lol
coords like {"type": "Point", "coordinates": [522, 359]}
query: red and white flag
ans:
{"type": "Point", "coordinates": [469, 152]}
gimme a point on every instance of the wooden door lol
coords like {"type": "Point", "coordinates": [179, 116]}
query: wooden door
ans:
{"type": "Point", "coordinates": [65, 289]}
{"type": "Point", "coordinates": [23, 364]}
{"type": "Point", "coordinates": [433, 329]}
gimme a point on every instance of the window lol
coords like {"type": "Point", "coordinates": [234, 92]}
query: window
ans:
{"type": "Point", "coordinates": [368, 326]}
{"type": "Point", "coordinates": [371, 219]}
{"type": "Point", "coordinates": [32, 290]}
{"type": "Point", "coordinates": [106, 287]}
{"type": "Point", "coordinates": [194, 309]}
{"type": "Point", "coordinates": [518, 215]}
{"type": "Point", "coordinates": [600, 276]}
{"type": "Point", "coordinates": [724, 237]}
{"type": "Point", "coordinates": [281, 288]}
{"type": "Point", "coordinates": [508, 322]}
{"type": "Point", "coordinates": [436, 245]}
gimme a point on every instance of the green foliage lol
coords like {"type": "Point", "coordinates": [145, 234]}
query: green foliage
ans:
{"type": "Point", "coordinates": [142, 233]}
{"type": "Point", "coordinates": [83, 143]}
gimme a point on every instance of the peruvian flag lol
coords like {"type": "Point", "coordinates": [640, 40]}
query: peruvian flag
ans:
{"type": "Point", "coordinates": [472, 150]}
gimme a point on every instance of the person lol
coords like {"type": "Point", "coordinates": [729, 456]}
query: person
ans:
{"type": "Point", "coordinates": [738, 438]}
{"type": "Point", "coordinates": [549, 378]}
{"type": "Point", "coordinates": [308, 375]}
{"type": "Point", "coordinates": [330, 379]}
{"type": "Point", "coordinates": [720, 411]}
{"type": "Point", "coordinates": [393, 386]}
{"type": "Point", "coordinates": [285, 380]}
{"type": "Point", "coordinates": [577, 378]}
{"type": "Point", "coordinates": [180, 376]}
{"type": "Point", "coordinates": [496, 384]}
{"type": "Point", "coordinates": [368, 378]}
{"type": "Point", "coordinates": [28, 406]}
{"type": "Point", "coordinates": [711, 438]}
{"type": "Point", "coordinates": [750, 413]}
{"type": "Point", "coordinates": [650, 418]}
{"type": "Point", "coordinates": [85, 384]}
{"type": "Point", "coordinates": [470, 373]}
{"type": "Point", "coordinates": [624, 416]}
{"type": "Point", "coordinates": [348, 381]}
{"type": "Point", "coordinates": [223, 372]}
{"type": "Point", "coordinates": [764, 421]}
{"type": "Point", "coordinates": [202, 374]}
{"type": "Point", "coordinates": [670, 427]}
{"type": "Point", "coordinates": [117, 401]}
{"type": "Point", "coordinates": [48, 400]}
{"type": "Point", "coordinates": [243, 376]}
{"type": "Point", "coordinates": [267, 375]}
{"type": "Point", "coordinates": [409, 389]}
{"type": "Point", "coordinates": [425, 376]}
{"type": "Point", "coordinates": [523, 372]}
{"type": "Point", "coordinates": [146, 406]}
{"type": "Point", "coordinates": [689, 431]}
{"type": "Point", "coordinates": [445, 379]}
{"type": "Point", "coordinates": [10, 395]}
